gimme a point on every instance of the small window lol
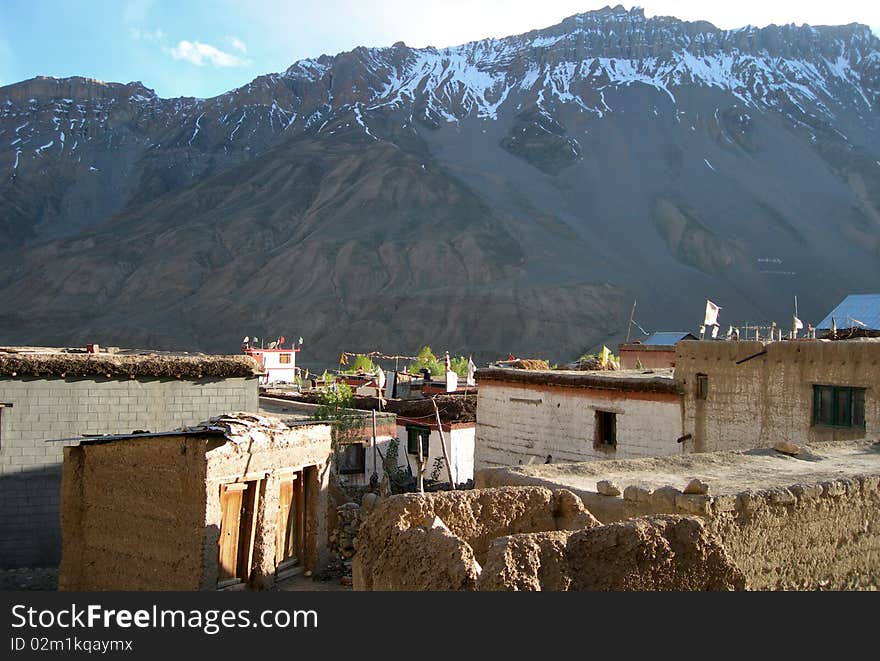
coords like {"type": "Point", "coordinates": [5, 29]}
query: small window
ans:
{"type": "Point", "coordinates": [2, 406]}
{"type": "Point", "coordinates": [839, 406]}
{"type": "Point", "coordinates": [702, 386]}
{"type": "Point", "coordinates": [352, 459]}
{"type": "Point", "coordinates": [416, 435]}
{"type": "Point", "coordinates": [284, 358]}
{"type": "Point", "coordinates": [606, 429]}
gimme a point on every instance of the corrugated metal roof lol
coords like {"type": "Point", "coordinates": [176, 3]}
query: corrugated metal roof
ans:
{"type": "Point", "coordinates": [856, 310]}
{"type": "Point", "coordinates": [668, 338]}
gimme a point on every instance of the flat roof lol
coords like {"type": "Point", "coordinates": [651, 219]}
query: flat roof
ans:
{"type": "Point", "coordinates": [48, 362]}
{"type": "Point", "coordinates": [724, 472]}
{"type": "Point", "coordinates": [655, 380]}
{"type": "Point", "coordinates": [235, 427]}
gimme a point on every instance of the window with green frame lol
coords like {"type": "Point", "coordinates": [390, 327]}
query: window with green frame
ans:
{"type": "Point", "coordinates": [839, 406]}
{"type": "Point", "coordinates": [415, 435]}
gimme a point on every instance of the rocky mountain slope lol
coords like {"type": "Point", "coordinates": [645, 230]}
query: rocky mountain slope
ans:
{"type": "Point", "coordinates": [507, 195]}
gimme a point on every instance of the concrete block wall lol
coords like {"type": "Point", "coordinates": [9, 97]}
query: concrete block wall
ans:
{"type": "Point", "coordinates": [53, 408]}
{"type": "Point", "coordinates": [523, 424]}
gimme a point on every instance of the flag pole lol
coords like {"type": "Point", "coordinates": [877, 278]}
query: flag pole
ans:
{"type": "Point", "coordinates": [629, 325]}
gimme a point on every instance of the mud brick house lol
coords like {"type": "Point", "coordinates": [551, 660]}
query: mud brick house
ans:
{"type": "Point", "coordinates": [234, 502]}
{"type": "Point", "coordinates": [740, 395]}
{"type": "Point", "coordinates": [355, 460]}
{"type": "Point", "coordinates": [536, 416]}
{"type": "Point", "coordinates": [61, 393]}
{"type": "Point", "coordinates": [411, 421]}
{"type": "Point", "coordinates": [656, 351]}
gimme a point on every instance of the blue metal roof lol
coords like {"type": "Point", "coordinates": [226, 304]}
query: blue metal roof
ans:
{"type": "Point", "coordinates": [668, 339]}
{"type": "Point", "coordinates": [853, 311]}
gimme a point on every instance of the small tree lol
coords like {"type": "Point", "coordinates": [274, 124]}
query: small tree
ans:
{"type": "Point", "coordinates": [334, 406]}
{"type": "Point", "coordinates": [426, 359]}
{"type": "Point", "coordinates": [460, 366]}
{"type": "Point", "coordinates": [361, 363]}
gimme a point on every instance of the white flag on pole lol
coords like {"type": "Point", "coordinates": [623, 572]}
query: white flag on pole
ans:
{"type": "Point", "coordinates": [711, 314]}
{"type": "Point", "coordinates": [798, 324]}
{"type": "Point", "coordinates": [471, 371]}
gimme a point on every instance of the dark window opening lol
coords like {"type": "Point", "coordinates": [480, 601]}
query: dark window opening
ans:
{"type": "Point", "coordinates": [606, 429]}
{"type": "Point", "coordinates": [284, 359]}
{"type": "Point", "coordinates": [702, 386]}
{"type": "Point", "coordinates": [839, 406]}
{"type": "Point", "coordinates": [2, 406]}
{"type": "Point", "coordinates": [353, 459]}
{"type": "Point", "coordinates": [416, 435]}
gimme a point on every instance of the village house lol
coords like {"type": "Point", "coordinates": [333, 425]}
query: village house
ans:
{"type": "Point", "coordinates": [657, 351]}
{"type": "Point", "coordinates": [410, 421]}
{"type": "Point", "coordinates": [740, 395]}
{"type": "Point", "coordinates": [60, 393]}
{"type": "Point", "coordinates": [355, 460]}
{"type": "Point", "coordinates": [856, 311]}
{"type": "Point", "coordinates": [544, 416]}
{"type": "Point", "coordinates": [236, 502]}
{"type": "Point", "coordinates": [278, 364]}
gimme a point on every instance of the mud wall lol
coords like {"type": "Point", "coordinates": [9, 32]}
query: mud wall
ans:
{"type": "Point", "coordinates": [53, 408]}
{"type": "Point", "coordinates": [523, 423]}
{"type": "Point", "coordinates": [769, 397]}
{"type": "Point", "coordinates": [400, 548]}
{"type": "Point", "coordinates": [306, 446]}
{"type": "Point", "coordinates": [132, 515]}
{"type": "Point", "coordinates": [648, 553]}
{"type": "Point", "coordinates": [806, 536]}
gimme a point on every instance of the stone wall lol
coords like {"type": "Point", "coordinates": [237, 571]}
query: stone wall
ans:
{"type": "Point", "coordinates": [769, 397]}
{"type": "Point", "coordinates": [53, 408]}
{"type": "Point", "coordinates": [524, 423]}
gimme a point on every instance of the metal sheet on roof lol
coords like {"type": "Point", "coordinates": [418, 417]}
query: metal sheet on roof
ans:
{"type": "Point", "coordinates": [856, 310]}
{"type": "Point", "coordinates": [668, 338]}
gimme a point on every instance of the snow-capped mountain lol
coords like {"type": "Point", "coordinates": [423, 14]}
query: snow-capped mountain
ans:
{"type": "Point", "coordinates": [505, 194]}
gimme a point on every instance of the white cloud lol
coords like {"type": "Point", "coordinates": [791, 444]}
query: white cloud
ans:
{"type": "Point", "coordinates": [237, 44]}
{"type": "Point", "coordinates": [201, 54]}
{"type": "Point", "coordinates": [153, 36]}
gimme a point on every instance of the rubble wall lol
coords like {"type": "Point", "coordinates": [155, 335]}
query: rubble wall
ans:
{"type": "Point", "coordinates": [132, 514]}
{"type": "Point", "coordinates": [523, 423]}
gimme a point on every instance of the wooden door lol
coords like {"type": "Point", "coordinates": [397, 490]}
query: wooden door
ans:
{"type": "Point", "coordinates": [291, 526]}
{"type": "Point", "coordinates": [238, 503]}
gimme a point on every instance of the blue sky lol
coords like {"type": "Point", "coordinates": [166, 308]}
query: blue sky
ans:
{"type": "Point", "coordinates": [203, 48]}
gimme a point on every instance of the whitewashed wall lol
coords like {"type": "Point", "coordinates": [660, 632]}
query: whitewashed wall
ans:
{"type": "Point", "coordinates": [517, 424]}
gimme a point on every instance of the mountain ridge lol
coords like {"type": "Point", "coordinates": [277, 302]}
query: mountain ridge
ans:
{"type": "Point", "coordinates": [537, 134]}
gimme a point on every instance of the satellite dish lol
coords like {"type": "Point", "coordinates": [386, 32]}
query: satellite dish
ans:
{"type": "Point", "coordinates": [245, 340]}
{"type": "Point", "coordinates": [272, 345]}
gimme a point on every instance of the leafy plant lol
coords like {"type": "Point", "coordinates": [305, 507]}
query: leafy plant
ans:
{"type": "Point", "coordinates": [460, 366]}
{"type": "Point", "coordinates": [334, 406]}
{"type": "Point", "coordinates": [426, 359]}
{"type": "Point", "coordinates": [361, 364]}
{"type": "Point", "coordinates": [436, 468]}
